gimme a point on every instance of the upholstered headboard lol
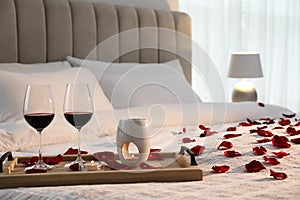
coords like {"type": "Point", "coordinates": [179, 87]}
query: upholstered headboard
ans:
{"type": "Point", "coordinates": [38, 31]}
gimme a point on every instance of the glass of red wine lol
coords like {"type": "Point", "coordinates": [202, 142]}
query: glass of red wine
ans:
{"type": "Point", "coordinates": [38, 112]}
{"type": "Point", "coordinates": [78, 110]}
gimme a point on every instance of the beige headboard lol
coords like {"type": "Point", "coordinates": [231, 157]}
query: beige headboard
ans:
{"type": "Point", "coordinates": [38, 31]}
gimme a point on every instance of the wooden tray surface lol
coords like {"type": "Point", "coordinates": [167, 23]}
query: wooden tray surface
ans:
{"type": "Point", "coordinates": [175, 168]}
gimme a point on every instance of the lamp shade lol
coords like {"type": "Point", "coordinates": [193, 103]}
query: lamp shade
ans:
{"type": "Point", "coordinates": [245, 65]}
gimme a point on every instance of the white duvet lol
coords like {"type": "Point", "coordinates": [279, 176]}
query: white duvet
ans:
{"type": "Point", "coordinates": [236, 183]}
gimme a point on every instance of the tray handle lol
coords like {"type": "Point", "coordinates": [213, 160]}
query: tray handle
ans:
{"type": "Point", "coordinates": [183, 149]}
{"type": "Point", "coordinates": [8, 156]}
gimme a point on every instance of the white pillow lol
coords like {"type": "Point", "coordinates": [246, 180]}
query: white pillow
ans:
{"type": "Point", "coordinates": [135, 84]}
{"type": "Point", "coordinates": [37, 67]}
{"type": "Point", "coordinates": [13, 86]}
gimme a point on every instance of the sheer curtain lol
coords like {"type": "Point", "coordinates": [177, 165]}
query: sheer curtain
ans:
{"type": "Point", "coordinates": [271, 27]}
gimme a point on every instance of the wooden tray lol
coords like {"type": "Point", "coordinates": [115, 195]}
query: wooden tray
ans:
{"type": "Point", "coordinates": [176, 167]}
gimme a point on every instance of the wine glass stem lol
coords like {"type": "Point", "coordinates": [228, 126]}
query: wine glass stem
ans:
{"type": "Point", "coordinates": [40, 147]}
{"type": "Point", "coordinates": [79, 141]}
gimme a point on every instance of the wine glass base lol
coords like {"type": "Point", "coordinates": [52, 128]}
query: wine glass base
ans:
{"type": "Point", "coordinates": [40, 166]}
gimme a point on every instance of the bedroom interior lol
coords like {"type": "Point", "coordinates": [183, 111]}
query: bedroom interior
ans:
{"type": "Point", "coordinates": [155, 118]}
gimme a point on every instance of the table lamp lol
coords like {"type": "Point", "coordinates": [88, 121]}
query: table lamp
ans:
{"type": "Point", "coordinates": [244, 65]}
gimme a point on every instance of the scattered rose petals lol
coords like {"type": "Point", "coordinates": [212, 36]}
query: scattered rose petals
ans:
{"type": "Point", "coordinates": [155, 156]}
{"type": "Point", "coordinates": [278, 127]}
{"type": "Point", "coordinates": [231, 153]}
{"type": "Point", "coordinates": [280, 141]}
{"type": "Point", "coordinates": [245, 124]}
{"type": "Point", "coordinates": [254, 166]}
{"type": "Point", "coordinates": [296, 140]}
{"type": "Point", "coordinates": [259, 150]}
{"type": "Point", "coordinates": [261, 104]}
{"type": "Point", "coordinates": [71, 151]}
{"type": "Point", "coordinates": [202, 127]}
{"type": "Point", "coordinates": [264, 133]}
{"type": "Point", "coordinates": [231, 128]}
{"type": "Point", "coordinates": [221, 168]}
{"type": "Point", "coordinates": [197, 150]}
{"type": "Point", "coordinates": [272, 161]}
{"type": "Point", "coordinates": [31, 171]}
{"type": "Point", "coordinates": [289, 115]}
{"type": "Point", "coordinates": [278, 175]}
{"type": "Point", "coordinates": [155, 150]}
{"type": "Point", "coordinates": [280, 154]}
{"type": "Point", "coordinates": [147, 166]}
{"type": "Point", "coordinates": [284, 122]}
{"type": "Point", "coordinates": [225, 145]}
{"type": "Point", "coordinates": [227, 136]}
{"type": "Point", "coordinates": [263, 140]}
{"type": "Point", "coordinates": [188, 140]}
{"type": "Point", "coordinates": [207, 133]}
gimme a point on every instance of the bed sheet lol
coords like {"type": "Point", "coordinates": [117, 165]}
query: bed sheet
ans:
{"type": "Point", "coordinates": [235, 183]}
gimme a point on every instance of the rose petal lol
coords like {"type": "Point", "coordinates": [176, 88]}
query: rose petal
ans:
{"type": "Point", "coordinates": [261, 104]}
{"type": "Point", "coordinates": [291, 131]}
{"type": "Point", "coordinates": [197, 150]}
{"type": "Point", "coordinates": [280, 154]}
{"type": "Point", "coordinates": [278, 127]}
{"type": "Point", "coordinates": [284, 122]}
{"type": "Point", "coordinates": [155, 156]}
{"type": "Point", "coordinates": [289, 115]}
{"type": "Point", "coordinates": [263, 140]}
{"type": "Point", "coordinates": [297, 124]}
{"type": "Point", "coordinates": [207, 133]}
{"type": "Point", "coordinates": [278, 175]}
{"type": "Point", "coordinates": [227, 136]}
{"type": "Point", "coordinates": [280, 141]}
{"type": "Point", "coordinates": [259, 150]}
{"type": "Point", "coordinates": [245, 124]}
{"type": "Point", "coordinates": [254, 166]}
{"type": "Point", "coordinates": [221, 168]}
{"type": "Point", "coordinates": [154, 150]}
{"type": "Point", "coordinates": [225, 145]}
{"type": "Point", "coordinates": [202, 127]}
{"type": "Point", "coordinates": [184, 130]}
{"type": "Point", "coordinates": [71, 151]}
{"type": "Point", "coordinates": [272, 161]}
{"type": "Point", "coordinates": [31, 171]}
{"type": "Point", "coordinates": [74, 167]}
{"type": "Point", "coordinates": [296, 140]}
{"type": "Point", "coordinates": [147, 166]}
{"type": "Point", "coordinates": [53, 160]}
{"type": "Point", "coordinates": [253, 131]}
{"type": "Point", "coordinates": [231, 153]}
{"type": "Point", "coordinates": [188, 140]}
{"type": "Point", "coordinates": [231, 129]}
{"type": "Point", "coordinates": [264, 133]}
{"type": "Point", "coordinates": [262, 127]}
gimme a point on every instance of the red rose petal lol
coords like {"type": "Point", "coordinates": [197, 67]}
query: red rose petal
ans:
{"type": "Point", "coordinates": [278, 127]}
{"type": "Point", "coordinates": [227, 136]}
{"type": "Point", "coordinates": [231, 129]}
{"type": "Point", "coordinates": [263, 140]}
{"type": "Point", "coordinates": [197, 150]}
{"type": "Point", "coordinates": [184, 130]}
{"type": "Point", "coordinates": [231, 153]}
{"type": "Point", "coordinates": [71, 151]}
{"type": "Point", "coordinates": [221, 168]}
{"type": "Point", "coordinates": [289, 115]}
{"type": "Point", "coordinates": [53, 160]}
{"type": "Point", "coordinates": [291, 131]}
{"type": "Point", "coordinates": [188, 140]}
{"type": "Point", "coordinates": [262, 127]}
{"type": "Point", "coordinates": [207, 133]}
{"type": "Point", "coordinates": [31, 171]}
{"type": "Point", "coordinates": [155, 150]}
{"type": "Point", "coordinates": [259, 150]}
{"type": "Point", "coordinates": [253, 131]}
{"type": "Point", "coordinates": [280, 154]}
{"type": "Point", "coordinates": [254, 166]}
{"type": "Point", "coordinates": [155, 156]}
{"type": "Point", "coordinates": [272, 161]}
{"type": "Point", "coordinates": [264, 133]}
{"type": "Point", "coordinates": [280, 141]}
{"type": "Point", "coordinates": [202, 127]}
{"type": "Point", "coordinates": [245, 124]}
{"type": "Point", "coordinates": [296, 140]}
{"type": "Point", "coordinates": [278, 175]}
{"type": "Point", "coordinates": [225, 145]}
{"type": "Point", "coordinates": [147, 166]}
{"type": "Point", "coordinates": [297, 124]}
{"type": "Point", "coordinates": [284, 122]}
{"type": "Point", "coordinates": [74, 167]}
{"type": "Point", "coordinates": [261, 104]}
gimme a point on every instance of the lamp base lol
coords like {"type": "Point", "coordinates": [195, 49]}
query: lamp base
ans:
{"type": "Point", "coordinates": [239, 96]}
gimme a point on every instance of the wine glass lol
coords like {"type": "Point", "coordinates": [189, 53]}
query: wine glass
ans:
{"type": "Point", "coordinates": [38, 112]}
{"type": "Point", "coordinates": [78, 110]}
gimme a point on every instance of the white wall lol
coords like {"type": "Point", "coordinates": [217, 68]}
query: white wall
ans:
{"type": "Point", "coordinates": [156, 4]}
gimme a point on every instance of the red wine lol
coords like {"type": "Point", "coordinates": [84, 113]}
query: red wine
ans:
{"type": "Point", "coordinates": [78, 119]}
{"type": "Point", "coordinates": [39, 121]}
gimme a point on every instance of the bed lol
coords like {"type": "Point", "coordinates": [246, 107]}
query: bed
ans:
{"type": "Point", "coordinates": [62, 41]}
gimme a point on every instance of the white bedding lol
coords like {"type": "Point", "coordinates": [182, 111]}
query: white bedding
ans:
{"type": "Point", "coordinates": [236, 183]}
